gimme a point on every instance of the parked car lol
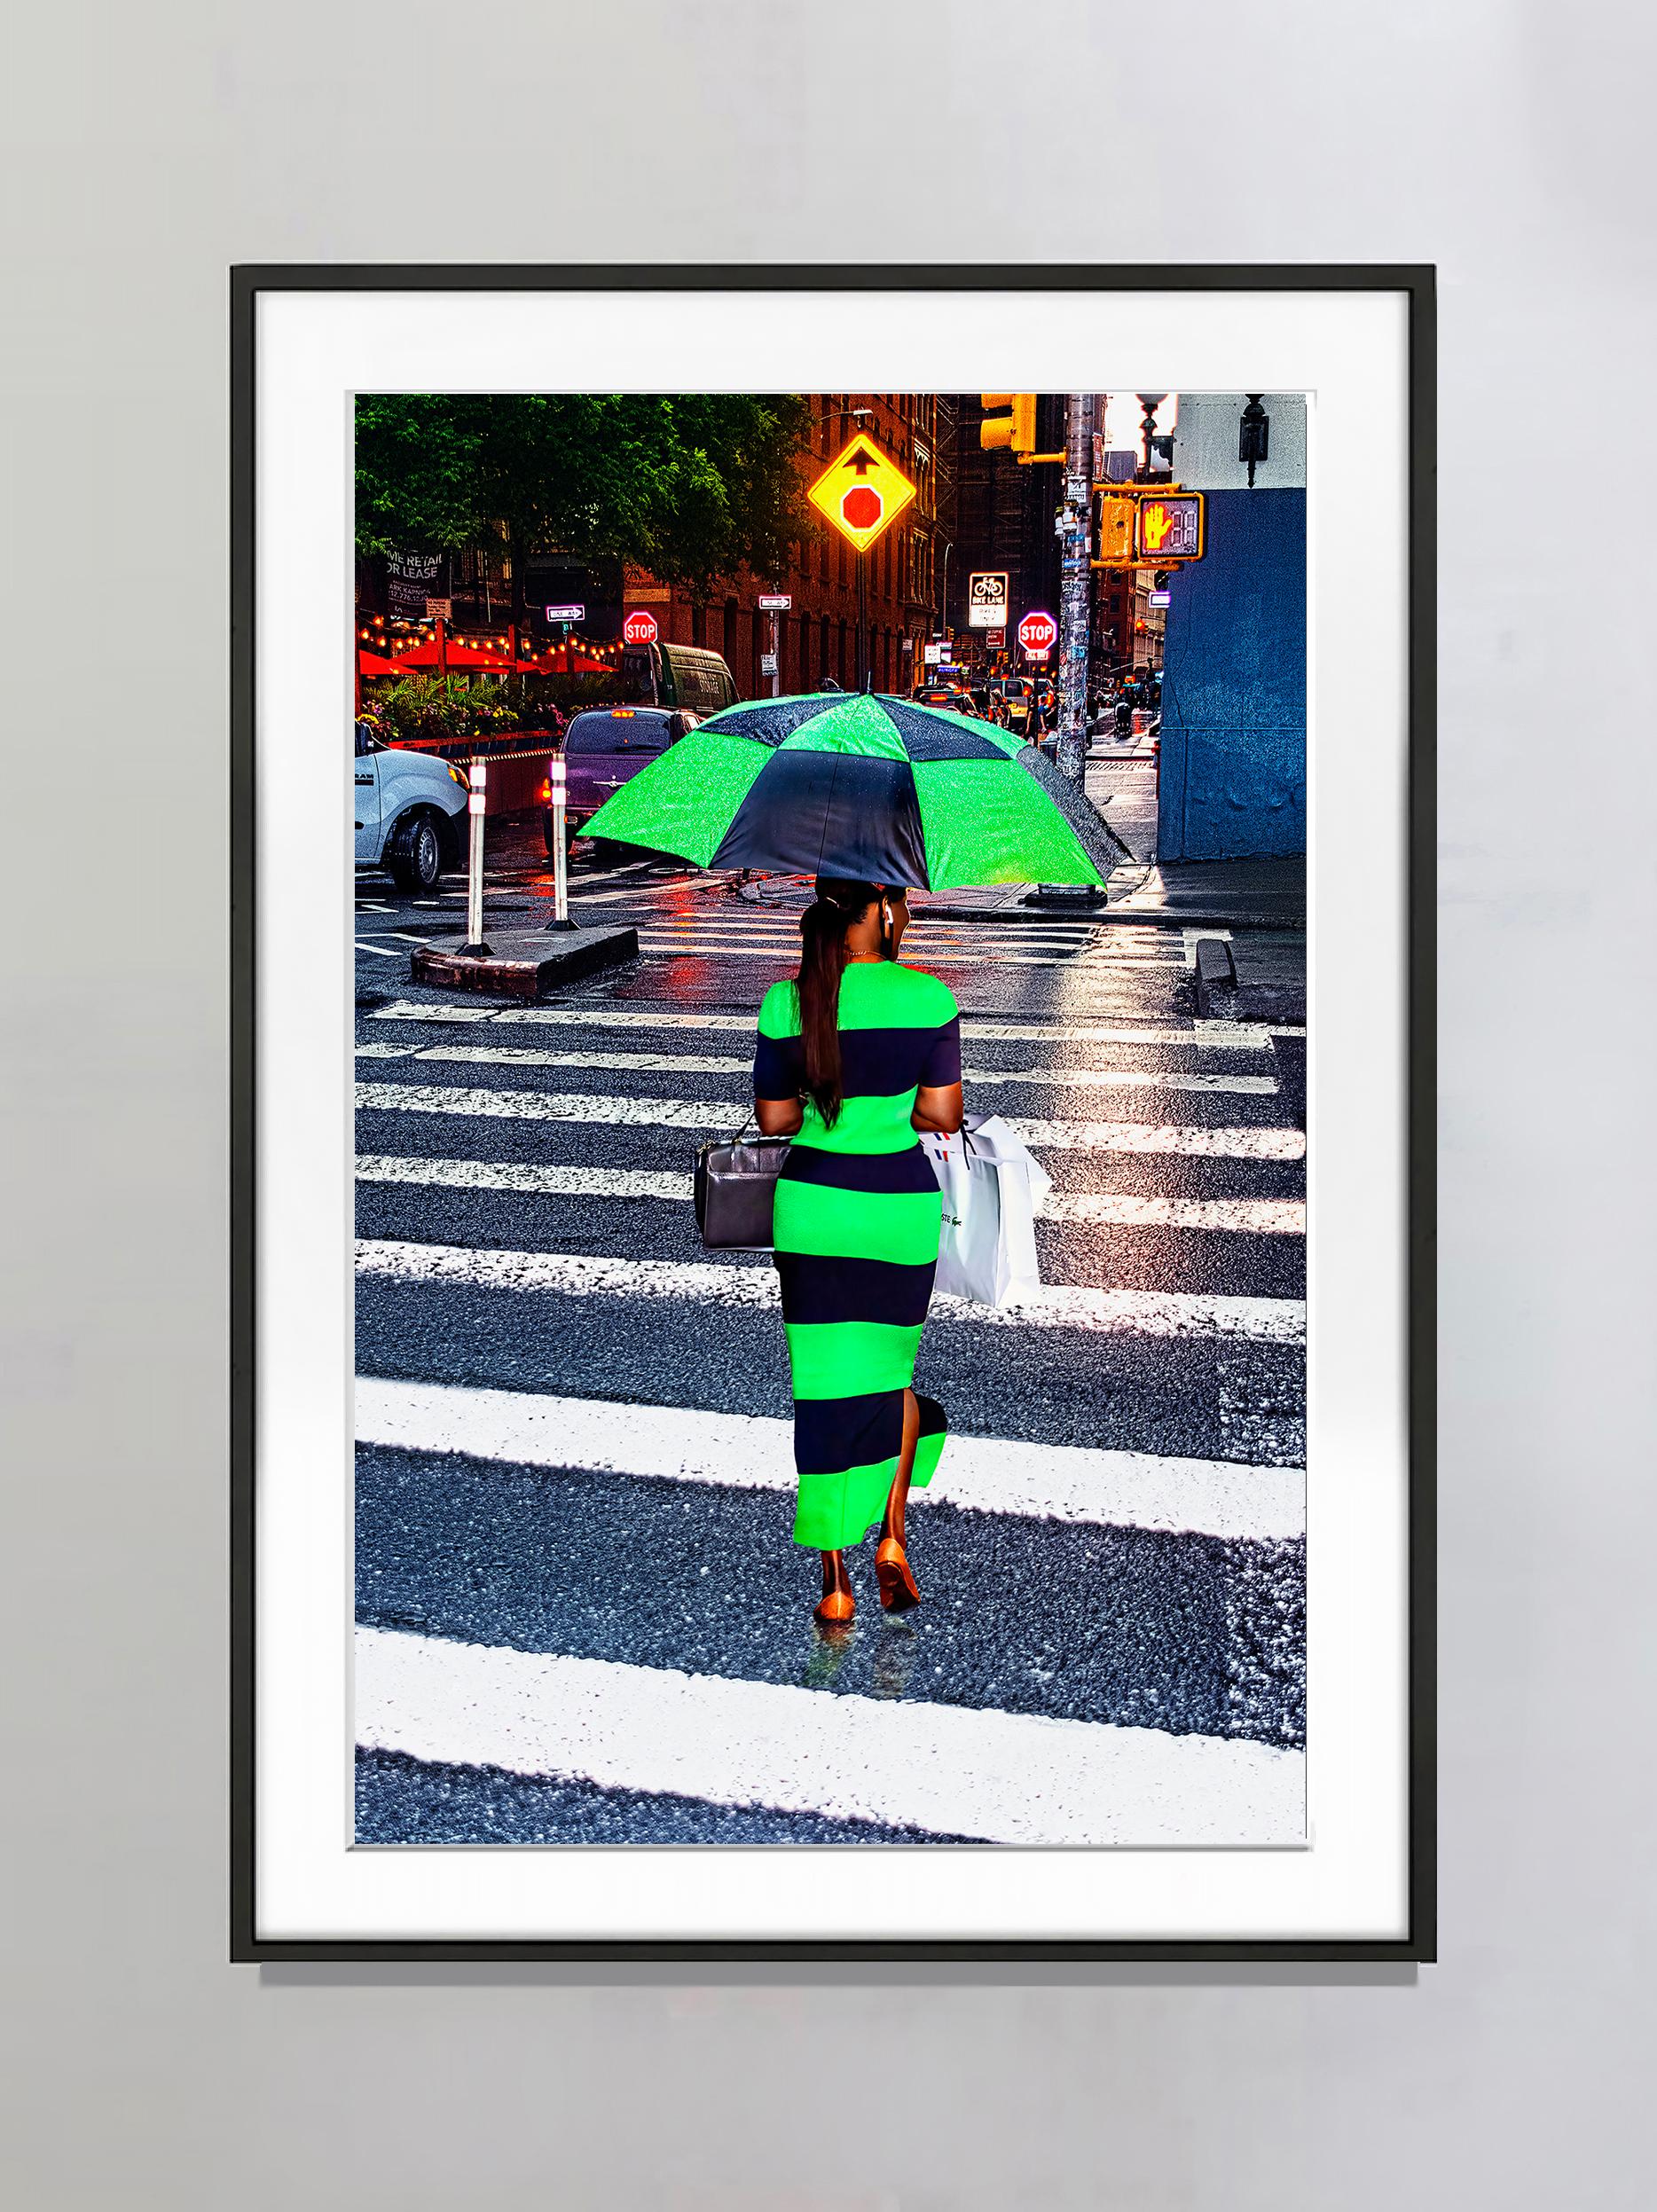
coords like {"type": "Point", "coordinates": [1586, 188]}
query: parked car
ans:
{"type": "Point", "coordinates": [687, 677]}
{"type": "Point", "coordinates": [410, 807]}
{"type": "Point", "coordinates": [604, 748]}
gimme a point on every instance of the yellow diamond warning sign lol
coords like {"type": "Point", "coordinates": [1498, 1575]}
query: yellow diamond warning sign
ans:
{"type": "Point", "coordinates": [861, 492]}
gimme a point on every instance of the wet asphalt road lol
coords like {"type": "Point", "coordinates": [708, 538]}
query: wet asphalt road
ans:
{"type": "Point", "coordinates": [1194, 1634]}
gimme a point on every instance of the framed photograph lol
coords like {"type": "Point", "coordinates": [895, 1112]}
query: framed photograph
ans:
{"type": "Point", "coordinates": [833, 1167]}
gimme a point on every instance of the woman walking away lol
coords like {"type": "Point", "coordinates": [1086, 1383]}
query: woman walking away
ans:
{"type": "Point", "coordinates": [851, 1061]}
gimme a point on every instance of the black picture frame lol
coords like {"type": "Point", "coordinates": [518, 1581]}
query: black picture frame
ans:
{"type": "Point", "coordinates": [1417, 283]}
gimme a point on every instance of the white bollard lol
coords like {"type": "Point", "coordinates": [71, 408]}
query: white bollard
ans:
{"type": "Point", "coordinates": [475, 946]}
{"type": "Point", "coordinates": [557, 785]}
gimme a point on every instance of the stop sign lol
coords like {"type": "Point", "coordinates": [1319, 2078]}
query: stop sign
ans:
{"type": "Point", "coordinates": [639, 629]}
{"type": "Point", "coordinates": [1036, 633]}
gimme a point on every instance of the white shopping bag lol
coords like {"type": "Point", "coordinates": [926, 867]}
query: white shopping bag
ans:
{"type": "Point", "coordinates": [991, 1189]}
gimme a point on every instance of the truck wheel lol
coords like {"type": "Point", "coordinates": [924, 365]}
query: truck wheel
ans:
{"type": "Point", "coordinates": [415, 854]}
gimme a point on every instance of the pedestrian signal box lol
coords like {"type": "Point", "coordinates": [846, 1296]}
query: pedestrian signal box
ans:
{"type": "Point", "coordinates": [1016, 431]}
{"type": "Point", "coordinates": [1168, 527]}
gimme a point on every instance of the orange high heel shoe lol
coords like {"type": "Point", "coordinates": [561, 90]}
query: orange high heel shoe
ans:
{"type": "Point", "coordinates": [897, 1591]}
{"type": "Point", "coordinates": [836, 1607]}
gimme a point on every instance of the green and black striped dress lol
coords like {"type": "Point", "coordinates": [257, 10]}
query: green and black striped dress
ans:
{"type": "Point", "coordinates": [856, 1232]}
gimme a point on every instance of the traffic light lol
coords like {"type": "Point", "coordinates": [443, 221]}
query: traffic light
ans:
{"type": "Point", "coordinates": [1113, 540]}
{"type": "Point", "coordinates": [1016, 431]}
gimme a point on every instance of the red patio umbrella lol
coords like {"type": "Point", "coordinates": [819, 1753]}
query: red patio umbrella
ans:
{"type": "Point", "coordinates": [374, 663]}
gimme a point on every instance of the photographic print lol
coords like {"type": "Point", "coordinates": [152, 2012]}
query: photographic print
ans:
{"type": "Point", "coordinates": [799, 1349]}
{"type": "Point", "coordinates": [657, 1542]}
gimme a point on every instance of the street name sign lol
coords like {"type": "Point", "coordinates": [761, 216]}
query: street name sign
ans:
{"type": "Point", "coordinates": [566, 614]}
{"type": "Point", "coordinates": [776, 603]}
{"type": "Point", "coordinates": [640, 628]}
{"type": "Point", "coordinates": [1161, 599]}
{"type": "Point", "coordinates": [1036, 633]}
{"type": "Point", "coordinates": [860, 493]}
{"type": "Point", "coordinates": [987, 600]}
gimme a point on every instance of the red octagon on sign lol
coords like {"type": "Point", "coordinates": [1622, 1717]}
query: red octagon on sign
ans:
{"type": "Point", "coordinates": [862, 507]}
{"type": "Point", "coordinates": [1036, 633]}
{"type": "Point", "coordinates": [639, 629]}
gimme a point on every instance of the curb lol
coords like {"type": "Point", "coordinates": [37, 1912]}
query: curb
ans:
{"type": "Point", "coordinates": [521, 963]}
{"type": "Point", "coordinates": [1216, 973]}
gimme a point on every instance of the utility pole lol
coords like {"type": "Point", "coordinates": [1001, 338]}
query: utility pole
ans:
{"type": "Point", "coordinates": [1076, 584]}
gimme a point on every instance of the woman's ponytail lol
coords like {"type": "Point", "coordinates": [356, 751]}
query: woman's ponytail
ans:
{"type": "Point", "coordinates": [823, 925]}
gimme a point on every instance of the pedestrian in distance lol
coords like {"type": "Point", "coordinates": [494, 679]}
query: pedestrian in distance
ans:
{"type": "Point", "coordinates": [854, 1058]}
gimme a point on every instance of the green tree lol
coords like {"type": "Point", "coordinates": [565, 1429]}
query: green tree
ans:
{"type": "Point", "coordinates": [688, 486]}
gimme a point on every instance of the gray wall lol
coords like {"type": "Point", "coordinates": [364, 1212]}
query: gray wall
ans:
{"type": "Point", "coordinates": [1206, 442]}
{"type": "Point", "coordinates": [145, 148]}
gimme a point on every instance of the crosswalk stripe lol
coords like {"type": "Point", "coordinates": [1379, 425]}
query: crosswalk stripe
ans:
{"type": "Point", "coordinates": [1248, 1217]}
{"type": "Point", "coordinates": [1062, 1306]}
{"type": "Point", "coordinates": [1002, 1777]}
{"type": "Point", "coordinates": [742, 929]}
{"type": "Point", "coordinates": [788, 956]}
{"type": "Point", "coordinates": [549, 1180]}
{"type": "Point", "coordinates": [1232, 1036]}
{"type": "Point", "coordinates": [710, 1064]}
{"type": "Point", "coordinates": [1128, 1136]}
{"type": "Point", "coordinates": [1241, 1217]}
{"type": "Point", "coordinates": [979, 1474]}
{"type": "Point", "coordinates": [716, 1114]}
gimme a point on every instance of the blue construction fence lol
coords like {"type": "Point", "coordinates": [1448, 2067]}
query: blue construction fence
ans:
{"type": "Point", "coordinates": [1233, 777]}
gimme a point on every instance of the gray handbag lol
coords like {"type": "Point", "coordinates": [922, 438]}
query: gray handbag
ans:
{"type": "Point", "coordinates": [735, 1190]}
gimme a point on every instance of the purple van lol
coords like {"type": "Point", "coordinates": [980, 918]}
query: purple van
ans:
{"type": "Point", "coordinates": [605, 746]}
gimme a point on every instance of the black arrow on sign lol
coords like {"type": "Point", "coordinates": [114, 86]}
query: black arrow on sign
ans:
{"type": "Point", "coordinates": [863, 459]}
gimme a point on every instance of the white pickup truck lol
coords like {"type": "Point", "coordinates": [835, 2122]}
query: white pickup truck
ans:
{"type": "Point", "coordinates": [410, 807]}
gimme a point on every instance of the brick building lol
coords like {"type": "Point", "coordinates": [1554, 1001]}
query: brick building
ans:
{"type": "Point", "coordinates": [817, 638]}
{"type": "Point", "coordinates": [1004, 517]}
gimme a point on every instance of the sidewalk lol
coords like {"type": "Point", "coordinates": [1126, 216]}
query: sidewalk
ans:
{"type": "Point", "coordinates": [1257, 894]}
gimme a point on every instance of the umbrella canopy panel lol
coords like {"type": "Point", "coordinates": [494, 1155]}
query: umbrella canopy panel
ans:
{"type": "Point", "coordinates": [864, 786]}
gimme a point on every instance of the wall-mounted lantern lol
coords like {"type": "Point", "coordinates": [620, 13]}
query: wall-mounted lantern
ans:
{"type": "Point", "coordinates": [1253, 435]}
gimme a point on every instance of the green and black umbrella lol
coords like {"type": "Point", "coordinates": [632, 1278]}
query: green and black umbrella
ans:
{"type": "Point", "coordinates": [855, 785]}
